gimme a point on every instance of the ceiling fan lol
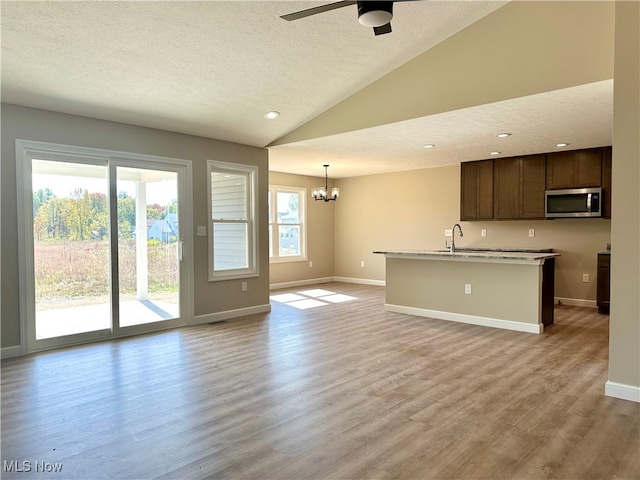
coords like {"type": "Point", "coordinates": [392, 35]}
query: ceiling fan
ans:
{"type": "Point", "coordinates": [374, 14]}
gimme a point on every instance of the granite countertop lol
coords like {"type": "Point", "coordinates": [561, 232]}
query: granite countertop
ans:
{"type": "Point", "coordinates": [504, 249]}
{"type": "Point", "coordinates": [525, 255]}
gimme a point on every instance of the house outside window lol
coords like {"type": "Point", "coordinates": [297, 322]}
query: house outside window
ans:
{"type": "Point", "coordinates": [287, 224]}
{"type": "Point", "coordinates": [232, 220]}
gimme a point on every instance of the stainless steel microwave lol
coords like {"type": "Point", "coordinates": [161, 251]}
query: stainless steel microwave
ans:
{"type": "Point", "coordinates": [575, 202]}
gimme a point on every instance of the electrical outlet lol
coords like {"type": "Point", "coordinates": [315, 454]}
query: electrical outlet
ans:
{"type": "Point", "coordinates": [532, 232]}
{"type": "Point", "coordinates": [244, 286]}
{"type": "Point", "coordinates": [310, 264]}
{"type": "Point", "coordinates": [447, 232]}
{"type": "Point", "coordinates": [362, 263]}
{"type": "Point", "coordinates": [467, 288]}
{"type": "Point", "coordinates": [585, 277]}
{"type": "Point", "coordinates": [483, 232]}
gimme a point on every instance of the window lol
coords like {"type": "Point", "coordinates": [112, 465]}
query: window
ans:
{"type": "Point", "coordinates": [287, 228]}
{"type": "Point", "coordinates": [232, 220]}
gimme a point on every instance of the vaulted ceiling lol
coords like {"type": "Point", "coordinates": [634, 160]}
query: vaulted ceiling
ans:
{"type": "Point", "coordinates": [452, 73]}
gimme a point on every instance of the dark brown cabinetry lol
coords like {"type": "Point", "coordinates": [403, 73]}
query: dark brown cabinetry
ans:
{"type": "Point", "coordinates": [574, 169]}
{"type": "Point", "coordinates": [514, 188]}
{"type": "Point", "coordinates": [604, 289]}
{"type": "Point", "coordinates": [476, 190]}
{"type": "Point", "coordinates": [519, 185]}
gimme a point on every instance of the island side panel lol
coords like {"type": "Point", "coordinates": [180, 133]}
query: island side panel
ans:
{"type": "Point", "coordinates": [501, 291]}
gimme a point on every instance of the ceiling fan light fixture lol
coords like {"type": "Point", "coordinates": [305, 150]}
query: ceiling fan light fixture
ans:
{"type": "Point", "coordinates": [375, 14]}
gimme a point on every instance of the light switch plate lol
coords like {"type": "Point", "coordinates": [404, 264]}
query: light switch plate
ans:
{"type": "Point", "coordinates": [201, 231]}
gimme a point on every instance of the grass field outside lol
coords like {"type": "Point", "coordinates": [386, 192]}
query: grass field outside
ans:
{"type": "Point", "coordinates": [74, 273]}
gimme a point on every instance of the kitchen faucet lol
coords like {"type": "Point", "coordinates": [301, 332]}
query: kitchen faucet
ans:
{"type": "Point", "coordinates": [452, 249]}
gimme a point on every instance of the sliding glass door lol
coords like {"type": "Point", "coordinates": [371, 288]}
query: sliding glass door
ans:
{"type": "Point", "coordinates": [103, 246]}
{"type": "Point", "coordinates": [149, 246]}
{"type": "Point", "coordinates": [70, 248]}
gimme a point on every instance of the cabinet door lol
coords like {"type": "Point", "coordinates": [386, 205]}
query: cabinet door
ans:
{"type": "Point", "coordinates": [476, 190]}
{"type": "Point", "coordinates": [574, 169]}
{"type": "Point", "coordinates": [560, 170]}
{"type": "Point", "coordinates": [485, 189]}
{"type": "Point", "coordinates": [588, 168]}
{"type": "Point", "coordinates": [507, 179]}
{"type": "Point", "coordinates": [606, 182]}
{"type": "Point", "coordinates": [533, 186]}
{"type": "Point", "coordinates": [468, 191]}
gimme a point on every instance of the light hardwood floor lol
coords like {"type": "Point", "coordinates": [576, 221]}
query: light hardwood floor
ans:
{"type": "Point", "coordinates": [345, 390]}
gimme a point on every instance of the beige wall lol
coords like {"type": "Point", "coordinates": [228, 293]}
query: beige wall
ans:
{"type": "Point", "coordinates": [503, 291]}
{"type": "Point", "coordinates": [320, 237]}
{"type": "Point", "coordinates": [412, 209]}
{"type": "Point", "coordinates": [45, 126]}
{"type": "Point", "coordinates": [624, 337]}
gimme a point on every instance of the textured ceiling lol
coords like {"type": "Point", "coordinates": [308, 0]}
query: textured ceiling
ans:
{"type": "Point", "coordinates": [580, 115]}
{"type": "Point", "coordinates": [214, 68]}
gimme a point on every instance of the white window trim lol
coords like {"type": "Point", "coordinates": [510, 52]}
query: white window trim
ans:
{"type": "Point", "coordinates": [252, 224]}
{"type": "Point", "coordinates": [302, 191]}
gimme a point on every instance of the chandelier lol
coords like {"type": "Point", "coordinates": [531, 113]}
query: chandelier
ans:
{"type": "Point", "coordinates": [321, 193]}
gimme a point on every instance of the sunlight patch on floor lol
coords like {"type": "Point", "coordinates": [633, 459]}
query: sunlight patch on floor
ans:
{"type": "Point", "coordinates": [311, 298]}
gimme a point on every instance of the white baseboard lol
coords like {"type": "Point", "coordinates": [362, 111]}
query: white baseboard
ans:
{"type": "Point", "coordinates": [620, 390]}
{"type": "Point", "coordinates": [361, 281]}
{"type": "Point", "coordinates": [10, 352]}
{"type": "Point", "coordinates": [230, 314]}
{"type": "Point", "coordinates": [471, 319]}
{"type": "Point", "coordinates": [575, 302]}
{"type": "Point", "coordinates": [300, 283]}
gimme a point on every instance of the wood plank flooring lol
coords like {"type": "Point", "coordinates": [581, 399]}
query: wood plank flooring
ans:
{"type": "Point", "coordinates": [340, 391]}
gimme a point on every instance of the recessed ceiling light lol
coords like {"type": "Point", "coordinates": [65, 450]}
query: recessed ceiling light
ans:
{"type": "Point", "coordinates": [494, 153]}
{"type": "Point", "coordinates": [562, 144]}
{"type": "Point", "coordinates": [271, 115]}
{"type": "Point", "coordinates": [503, 135]}
{"type": "Point", "coordinates": [429, 145]}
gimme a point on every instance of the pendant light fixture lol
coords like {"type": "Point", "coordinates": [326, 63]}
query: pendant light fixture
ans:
{"type": "Point", "coordinates": [322, 193]}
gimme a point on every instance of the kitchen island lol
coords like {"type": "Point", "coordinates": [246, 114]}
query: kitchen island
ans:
{"type": "Point", "coordinates": [511, 289]}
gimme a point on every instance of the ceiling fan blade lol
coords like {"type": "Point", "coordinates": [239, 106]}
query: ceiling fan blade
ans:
{"type": "Point", "coordinates": [315, 10]}
{"type": "Point", "coordinates": [381, 30]}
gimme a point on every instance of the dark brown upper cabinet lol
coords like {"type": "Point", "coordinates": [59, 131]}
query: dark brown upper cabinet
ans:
{"type": "Point", "coordinates": [476, 190]}
{"type": "Point", "coordinates": [514, 188]}
{"type": "Point", "coordinates": [574, 169]}
{"type": "Point", "coordinates": [519, 185]}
